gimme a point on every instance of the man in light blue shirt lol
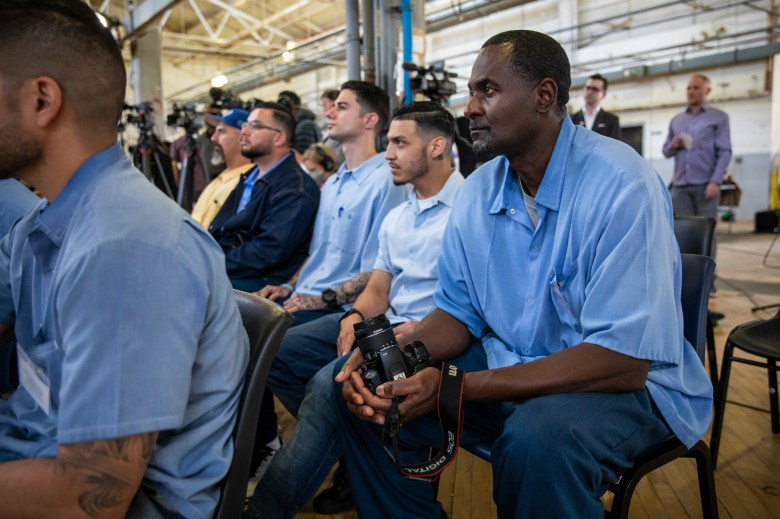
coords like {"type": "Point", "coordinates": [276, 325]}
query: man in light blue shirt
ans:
{"type": "Point", "coordinates": [15, 201]}
{"type": "Point", "coordinates": [343, 248]}
{"type": "Point", "coordinates": [353, 203]}
{"type": "Point", "coordinates": [401, 286]}
{"type": "Point", "coordinates": [559, 297]}
{"type": "Point", "coordinates": [131, 349]}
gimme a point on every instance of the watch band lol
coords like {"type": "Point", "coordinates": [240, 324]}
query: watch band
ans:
{"type": "Point", "coordinates": [352, 311]}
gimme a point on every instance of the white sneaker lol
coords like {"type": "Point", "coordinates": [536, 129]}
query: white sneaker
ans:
{"type": "Point", "coordinates": [267, 453]}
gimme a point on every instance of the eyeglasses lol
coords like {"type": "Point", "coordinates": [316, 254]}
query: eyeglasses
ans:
{"type": "Point", "coordinates": [255, 126]}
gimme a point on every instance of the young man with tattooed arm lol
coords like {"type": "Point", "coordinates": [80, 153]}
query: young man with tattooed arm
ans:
{"type": "Point", "coordinates": [353, 203]}
{"type": "Point", "coordinates": [130, 345]}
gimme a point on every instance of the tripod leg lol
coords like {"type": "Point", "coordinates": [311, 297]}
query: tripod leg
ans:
{"type": "Point", "coordinates": [185, 195]}
{"type": "Point", "coordinates": [161, 175]}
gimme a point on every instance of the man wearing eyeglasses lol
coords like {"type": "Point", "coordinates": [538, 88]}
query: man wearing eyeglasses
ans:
{"type": "Point", "coordinates": [265, 225]}
{"type": "Point", "coordinates": [592, 116]}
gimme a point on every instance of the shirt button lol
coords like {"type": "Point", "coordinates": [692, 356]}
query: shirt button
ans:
{"type": "Point", "coordinates": [530, 300]}
{"type": "Point", "coordinates": [511, 211]}
{"type": "Point", "coordinates": [534, 249]}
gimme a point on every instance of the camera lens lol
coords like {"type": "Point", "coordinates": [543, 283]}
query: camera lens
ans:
{"type": "Point", "coordinates": [374, 334]}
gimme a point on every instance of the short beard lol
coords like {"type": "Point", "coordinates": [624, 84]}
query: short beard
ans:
{"type": "Point", "coordinates": [255, 153]}
{"type": "Point", "coordinates": [417, 169]}
{"type": "Point", "coordinates": [483, 148]}
{"type": "Point", "coordinates": [218, 157]}
{"type": "Point", "coordinates": [17, 151]}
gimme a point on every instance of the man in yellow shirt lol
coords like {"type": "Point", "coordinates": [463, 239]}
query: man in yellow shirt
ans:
{"type": "Point", "coordinates": [227, 138]}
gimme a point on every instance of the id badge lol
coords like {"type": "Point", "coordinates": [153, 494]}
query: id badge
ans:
{"type": "Point", "coordinates": [34, 380]}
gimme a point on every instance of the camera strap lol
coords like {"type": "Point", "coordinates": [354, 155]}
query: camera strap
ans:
{"type": "Point", "coordinates": [450, 411]}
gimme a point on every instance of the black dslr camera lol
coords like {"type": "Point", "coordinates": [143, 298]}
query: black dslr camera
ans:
{"type": "Point", "coordinates": [384, 359]}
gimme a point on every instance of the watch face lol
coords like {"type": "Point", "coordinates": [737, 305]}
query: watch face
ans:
{"type": "Point", "coordinates": [329, 298]}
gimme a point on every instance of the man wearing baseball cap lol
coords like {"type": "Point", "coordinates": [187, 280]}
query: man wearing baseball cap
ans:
{"type": "Point", "coordinates": [227, 142]}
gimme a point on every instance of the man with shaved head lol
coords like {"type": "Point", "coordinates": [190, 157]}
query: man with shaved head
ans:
{"type": "Point", "coordinates": [559, 299]}
{"type": "Point", "coordinates": [130, 346]}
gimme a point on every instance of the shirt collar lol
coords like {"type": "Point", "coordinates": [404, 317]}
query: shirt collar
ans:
{"type": "Point", "coordinates": [549, 193]}
{"type": "Point", "coordinates": [446, 194]}
{"type": "Point", "coordinates": [362, 172]}
{"type": "Point", "coordinates": [276, 165]}
{"type": "Point", "coordinates": [595, 110]}
{"type": "Point", "coordinates": [702, 108]}
{"type": "Point", "coordinates": [55, 217]}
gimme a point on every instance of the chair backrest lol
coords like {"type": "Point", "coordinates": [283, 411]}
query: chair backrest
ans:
{"type": "Point", "coordinates": [265, 323]}
{"type": "Point", "coordinates": [694, 234]}
{"type": "Point", "coordinates": [697, 272]}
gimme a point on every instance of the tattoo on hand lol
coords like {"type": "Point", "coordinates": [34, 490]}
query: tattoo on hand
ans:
{"type": "Point", "coordinates": [106, 470]}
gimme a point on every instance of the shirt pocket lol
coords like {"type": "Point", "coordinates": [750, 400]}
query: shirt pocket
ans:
{"type": "Point", "coordinates": [558, 284]}
{"type": "Point", "coordinates": [343, 235]}
{"type": "Point", "coordinates": [46, 358]}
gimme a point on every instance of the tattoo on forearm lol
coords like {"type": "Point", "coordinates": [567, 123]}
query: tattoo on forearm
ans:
{"type": "Point", "coordinates": [106, 470]}
{"type": "Point", "coordinates": [349, 291]}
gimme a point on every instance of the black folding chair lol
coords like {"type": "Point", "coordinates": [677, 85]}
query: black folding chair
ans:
{"type": "Point", "coordinates": [759, 338]}
{"type": "Point", "coordinates": [265, 323]}
{"type": "Point", "coordinates": [694, 236]}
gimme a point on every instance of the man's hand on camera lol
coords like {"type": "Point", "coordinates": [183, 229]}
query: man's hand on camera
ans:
{"type": "Point", "coordinates": [419, 391]}
{"type": "Point", "coordinates": [273, 292]}
{"type": "Point", "coordinates": [346, 339]}
{"type": "Point", "coordinates": [299, 302]}
{"type": "Point", "coordinates": [360, 400]}
{"type": "Point", "coordinates": [404, 329]}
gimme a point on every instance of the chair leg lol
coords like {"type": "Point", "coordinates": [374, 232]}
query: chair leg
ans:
{"type": "Point", "coordinates": [712, 356]}
{"type": "Point", "coordinates": [720, 403]}
{"type": "Point", "coordinates": [773, 397]}
{"type": "Point", "coordinates": [704, 468]}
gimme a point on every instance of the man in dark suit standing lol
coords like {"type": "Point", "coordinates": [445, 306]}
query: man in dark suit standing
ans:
{"type": "Point", "coordinates": [592, 116]}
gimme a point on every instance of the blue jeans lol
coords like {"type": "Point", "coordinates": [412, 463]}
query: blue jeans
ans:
{"type": "Point", "coordinates": [553, 456]}
{"type": "Point", "coordinates": [300, 360]}
{"type": "Point", "coordinates": [302, 464]}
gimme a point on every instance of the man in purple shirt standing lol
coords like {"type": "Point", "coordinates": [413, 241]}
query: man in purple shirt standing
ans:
{"type": "Point", "coordinates": [700, 142]}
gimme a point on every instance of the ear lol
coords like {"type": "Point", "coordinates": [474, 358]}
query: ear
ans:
{"type": "Point", "coordinates": [46, 96]}
{"type": "Point", "coordinates": [437, 147]}
{"type": "Point", "coordinates": [546, 95]}
{"type": "Point", "coordinates": [370, 120]}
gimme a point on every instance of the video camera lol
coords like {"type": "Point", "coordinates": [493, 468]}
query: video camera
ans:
{"type": "Point", "coordinates": [185, 116]}
{"type": "Point", "coordinates": [432, 82]}
{"type": "Point", "coordinates": [142, 115]}
{"type": "Point", "coordinates": [227, 100]}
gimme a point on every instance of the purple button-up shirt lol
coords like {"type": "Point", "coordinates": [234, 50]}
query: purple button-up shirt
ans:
{"type": "Point", "coordinates": [710, 153]}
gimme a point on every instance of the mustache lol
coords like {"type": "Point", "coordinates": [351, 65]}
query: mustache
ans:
{"type": "Point", "coordinates": [476, 126]}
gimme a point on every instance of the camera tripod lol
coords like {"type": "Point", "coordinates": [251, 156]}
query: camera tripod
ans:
{"type": "Point", "coordinates": [150, 156]}
{"type": "Point", "coordinates": [186, 192]}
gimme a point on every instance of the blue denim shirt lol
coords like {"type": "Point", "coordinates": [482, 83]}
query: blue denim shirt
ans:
{"type": "Point", "coordinates": [601, 267]}
{"type": "Point", "coordinates": [15, 201]}
{"type": "Point", "coordinates": [409, 247]}
{"type": "Point", "coordinates": [710, 155]}
{"type": "Point", "coordinates": [346, 231]}
{"type": "Point", "coordinates": [121, 301]}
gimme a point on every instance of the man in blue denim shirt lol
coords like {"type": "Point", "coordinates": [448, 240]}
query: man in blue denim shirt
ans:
{"type": "Point", "coordinates": [559, 297]}
{"type": "Point", "coordinates": [131, 349]}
